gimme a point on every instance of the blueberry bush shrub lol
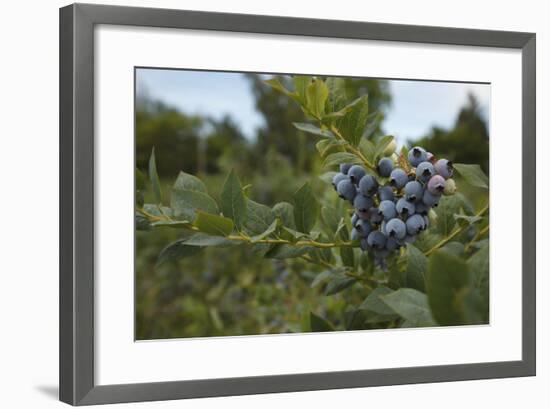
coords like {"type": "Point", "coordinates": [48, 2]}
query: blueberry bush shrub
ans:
{"type": "Point", "coordinates": [406, 245]}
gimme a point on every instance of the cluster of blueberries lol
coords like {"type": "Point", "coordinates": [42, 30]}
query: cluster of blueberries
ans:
{"type": "Point", "coordinates": [387, 217]}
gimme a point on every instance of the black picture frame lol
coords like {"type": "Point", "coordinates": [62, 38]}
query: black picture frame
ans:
{"type": "Point", "coordinates": [77, 385]}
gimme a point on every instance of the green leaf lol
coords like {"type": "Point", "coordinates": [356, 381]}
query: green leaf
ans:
{"type": "Point", "coordinates": [373, 121]}
{"type": "Point", "coordinates": [323, 146]}
{"type": "Point", "coordinates": [319, 324]}
{"type": "Point", "coordinates": [259, 217]}
{"type": "Point", "coordinates": [276, 85]}
{"type": "Point", "coordinates": [472, 174]}
{"type": "Point", "coordinates": [412, 305]}
{"type": "Point", "coordinates": [352, 125]}
{"type": "Point", "coordinates": [327, 177]}
{"type": "Point", "coordinates": [213, 224]}
{"type": "Point", "coordinates": [316, 97]}
{"type": "Point", "coordinates": [155, 210]}
{"type": "Point", "coordinates": [326, 146]}
{"type": "Point", "coordinates": [176, 251]}
{"type": "Point", "coordinates": [382, 145]}
{"type": "Point", "coordinates": [321, 255]}
{"type": "Point", "coordinates": [154, 177]}
{"type": "Point", "coordinates": [185, 181]}
{"type": "Point", "coordinates": [339, 283]}
{"type": "Point", "coordinates": [466, 204]}
{"type": "Point", "coordinates": [337, 97]}
{"type": "Point", "coordinates": [330, 218]}
{"type": "Point", "coordinates": [300, 85]}
{"type": "Point", "coordinates": [454, 247]}
{"type": "Point", "coordinates": [272, 227]}
{"type": "Point", "coordinates": [374, 303]}
{"type": "Point", "coordinates": [446, 210]}
{"type": "Point", "coordinates": [368, 149]}
{"type": "Point", "coordinates": [346, 253]}
{"type": "Point", "coordinates": [233, 202]}
{"type": "Point", "coordinates": [206, 240]}
{"type": "Point", "coordinates": [464, 220]}
{"type": "Point", "coordinates": [312, 129]}
{"type": "Point", "coordinates": [142, 223]}
{"type": "Point", "coordinates": [296, 235]}
{"type": "Point", "coordinates": [306, 209]}
{"type": "Point", "coordinates": [261, 248]}
{"type": "Point", "coordinates": [185, 203]}
{"type": "Point", "coordinates": [321, 278]}
{"type": "Point", "coordinates": [282, 251]}
{"type": "Point", "coordinates": [341, 157]}
{"type": "Point", "coordinates": [448, 284]}
{"type": "Point", "coordinates": [417, 265]}
{"type": "Point", "coordinates": [343, 111]}
{"type": "Point", "coordinates": [479, 266]}
{"type": "Point", "coordinates": [285, 212]}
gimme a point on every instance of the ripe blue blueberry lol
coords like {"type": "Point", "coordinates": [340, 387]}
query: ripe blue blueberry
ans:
{"type": "Point", "coordinates": [409, 239]}
{"type": "Point", "coordinates": [344, 168]}
{"type": "Point", "coordinates": [355, 173]}
{"type": "Point", "coordinates": [429, 156]}
{"type": "Point", "coordinates": [387, 208]}
{"type": "Point", "coordinates": [355, 234]}
{"type": "Point", "coordinates": [364, 244]}
{"type": "Point", "coordinates": [337, 179]}
{"type": "Point", "coordinates": [413, 191]}
{"type": "Point", "coordinates": [436, 185]}
{"type": "Point", "coordinates": [346, 190]}
{"type": "Point", "coordinates": [426, 221]}
{"type": "Point", "coordinates": [368, 185]}
{"type": "Point", "coordinates": [385, 166]}
{"type": "Point", "coordinates": [429, 199]}
{"type": "Point", "coordinates": [392, 244]}
{"type": "Point", "coordinates": [375, 215]}
{"type": "Point", "coordinates": [417, 155]}
{"type": "Point", "coordinates": [396, 228]}
{"type": "Point", "coordinates": [376, 240]}
{"type": "Point", "coordinates": [404, 207]}
{"type": "Point", "coordinates": [415, 224]}
{"type": "Point", "coordinates": [425, 171]}
{"type": "Point", "coordinates": [398, 178]}
{"type": "Point", "coordinates": [354, 220]}
{"type": "Point", "coordinates": [362, 204]}
{"type": "Point", "coordinates": [363, 228]}
{"type": "Point", "coordinates": [421, 207]}
{"type": "Point", "coordinates": [444, 168]}
{"type": "Point", "coordinates": [385, 193]}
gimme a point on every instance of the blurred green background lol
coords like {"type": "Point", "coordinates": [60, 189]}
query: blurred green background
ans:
{"type": "Point", "coordinates": [233, 291]}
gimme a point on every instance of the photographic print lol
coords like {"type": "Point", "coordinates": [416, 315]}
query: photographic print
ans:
{"type": "Point", "coordinates": [280, 203]}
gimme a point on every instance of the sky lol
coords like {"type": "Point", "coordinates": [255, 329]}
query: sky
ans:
{"type": "Point", "coordinates": [416, 106]}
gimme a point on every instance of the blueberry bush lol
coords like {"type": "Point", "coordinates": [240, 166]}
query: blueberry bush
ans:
{"type": "Point", "coordinates": [403, 238]}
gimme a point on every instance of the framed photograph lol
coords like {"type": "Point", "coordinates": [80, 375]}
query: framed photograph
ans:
{"type": "Point", "coordinates": [254, 204]}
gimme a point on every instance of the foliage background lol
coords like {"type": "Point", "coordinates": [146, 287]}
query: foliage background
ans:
{"type": "Point", "coordinates": [234, 291]}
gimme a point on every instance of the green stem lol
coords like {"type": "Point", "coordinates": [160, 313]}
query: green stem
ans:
{"type": "Point", "coordinates": [352, 148]}
{"type": "Point", "coordinates": [150, 216]}
{"type": "Point", "coordinates": [455, 233]}
{"type": "Point", "coordinates": [367, 282]}
{"type": "Point", "coordinates": [476, 237]}
{"type": "Point", "coordinates": [300, 243]}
